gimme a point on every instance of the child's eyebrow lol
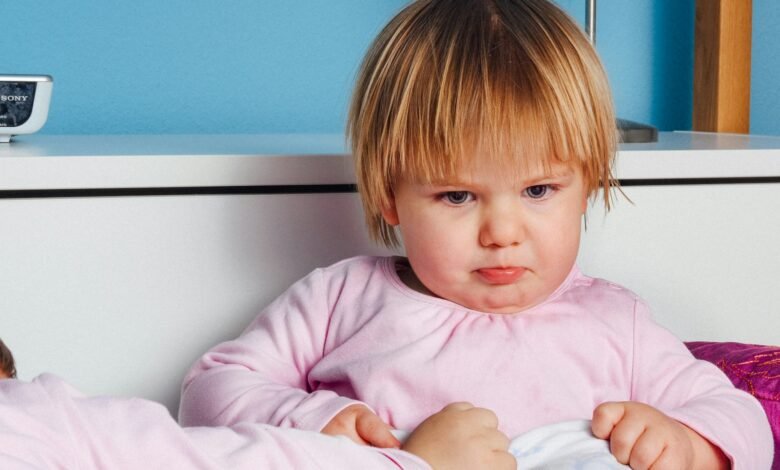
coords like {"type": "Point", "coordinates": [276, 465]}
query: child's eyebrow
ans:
{"type": "Point", "coordinates": [559, 174]}
{"type": "Point", "coordinates": [449, 183]}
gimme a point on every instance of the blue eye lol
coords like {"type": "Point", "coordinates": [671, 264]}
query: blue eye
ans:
{"type": "Point", "coordinates": [457, 197]}
{"type": "Point", "coordinates": [538, 192]}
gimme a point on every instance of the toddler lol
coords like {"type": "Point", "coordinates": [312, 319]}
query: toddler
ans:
{"type": "Point", "coordinates": [479, 130]}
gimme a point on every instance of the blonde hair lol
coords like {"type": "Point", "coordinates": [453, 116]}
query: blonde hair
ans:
{"type": "Point", "coordinates": [518, 78]}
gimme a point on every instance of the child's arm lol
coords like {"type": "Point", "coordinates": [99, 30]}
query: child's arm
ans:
{"type": "Point", "coordinates": [699, 396]}
{"type": "Point", "coordinates": [642, 437]}
{"type": "Point", "coordinates": [460, 437]}
{"type": "Point", "coordinates": [48, 424]}
{"type": "Point", "coordinates": [263, 376]}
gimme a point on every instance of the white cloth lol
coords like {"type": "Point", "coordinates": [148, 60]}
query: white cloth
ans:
{"type": "Point", "coordinates": [563, 446]}
{"type": "Point", "coordinates": [568, 445]}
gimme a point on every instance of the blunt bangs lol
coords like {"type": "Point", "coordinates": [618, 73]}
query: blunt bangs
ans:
{"type": "Point", "coordinates": [452, 83]}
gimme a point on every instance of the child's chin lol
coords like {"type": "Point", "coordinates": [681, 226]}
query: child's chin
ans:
{"type": "Point", "coordinates": [502, 306]}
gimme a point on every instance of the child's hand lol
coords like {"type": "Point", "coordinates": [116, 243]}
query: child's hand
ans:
{"type": "Point", "coordinates": [361, 425]}
{"type": "Point", "coordinates": [643, 437]}
{"type": "Point", "coordinates": [461, 437]}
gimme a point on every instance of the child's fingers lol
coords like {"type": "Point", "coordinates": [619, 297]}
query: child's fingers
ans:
{"type": "Point", "coordinates": [605, 417]}
{"type": "Point", "coordinates": [504, 460]}
{"type": "Point", "coordinates": [665, 460]}
{"type": "Point", "coordinates": [646, 451]}
{"type": "Point", "coordinates": [499, 441]}
{"type": "Point", "coordinates": [658, 448]}
{"type": "Point", "coordinates": [623, 439]}
{"type": "Point", "coordinates": [344, 423]}
{"type": "Point", "coordinates": [458, 406]}
{"type": "Point", "coordinates": [483, 416]}
{"type": "Point", "coordinates": [375, 431]}
{"type": "Point", "coordinates": [346, 432]}
{"type": "Point", "coordinates": [351, 434]}
{"type": "Point", "coordinates": [486, 417]}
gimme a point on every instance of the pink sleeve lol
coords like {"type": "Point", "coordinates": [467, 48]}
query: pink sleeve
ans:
{"type": "Point", "coordinates": [255, 446]}
{"type": "Point", "coordinates": [47, 424]}
{"type": "Point", "coordinates": [34, 433]}
{"type": "Point", "coordinates": [698, 394]}
{"type": "Point", "coordinates": [261, 377]}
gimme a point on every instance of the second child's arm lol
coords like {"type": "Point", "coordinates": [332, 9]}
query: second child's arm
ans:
{"type": "Point", "coordinates": [49, 424]}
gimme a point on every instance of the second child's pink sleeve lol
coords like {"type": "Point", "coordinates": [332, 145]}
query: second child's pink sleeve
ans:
{"type": "Point", "coordinates": [698, 394]}
{"type": "Point", "coordinates": [47, 424]}
{"type": "Point", "coordinates": [261, 376]}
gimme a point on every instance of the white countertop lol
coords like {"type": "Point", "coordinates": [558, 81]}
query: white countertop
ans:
{"type": "Point", "coordinates": [38, 162]}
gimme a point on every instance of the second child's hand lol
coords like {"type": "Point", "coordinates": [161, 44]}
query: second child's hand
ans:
{"type": "Point", "coordinates": [360, 424]}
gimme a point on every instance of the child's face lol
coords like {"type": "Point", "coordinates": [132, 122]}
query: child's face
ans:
{"type": "Point", "coordinates": [492, 240]}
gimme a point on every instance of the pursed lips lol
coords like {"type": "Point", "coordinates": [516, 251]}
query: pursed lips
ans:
{"type": "Point", "coordinates": [501, 274]}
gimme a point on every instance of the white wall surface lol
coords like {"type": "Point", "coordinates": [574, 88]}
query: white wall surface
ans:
{"type": "Point", "coordinates": [706, 257]}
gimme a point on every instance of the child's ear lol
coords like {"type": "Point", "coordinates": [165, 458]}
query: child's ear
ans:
{"type": "Point", "coordinates": [390, 214]}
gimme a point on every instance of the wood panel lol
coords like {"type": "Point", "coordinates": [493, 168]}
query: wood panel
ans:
{"type": "Point", "coordinates": [721, 86]}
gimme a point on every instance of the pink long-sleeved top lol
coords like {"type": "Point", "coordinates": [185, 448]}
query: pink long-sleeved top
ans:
{"type": "Point", "coordinates": [353, 332]}
{"type": "Point", "coordinates": [46, 425]}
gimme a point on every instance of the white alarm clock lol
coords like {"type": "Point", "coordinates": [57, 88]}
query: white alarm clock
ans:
{"type": "Point", "coordinates": [24, 104]}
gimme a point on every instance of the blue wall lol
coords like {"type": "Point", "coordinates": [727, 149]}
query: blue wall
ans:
{"type": "Point", "coordinates": [647, 49]}
{"type": "Point", "coordinates": [765, 68]}
{"type": "Point", "coordinates": [272, 66]}
{"type": "Point", "coordinates": [193, 66]}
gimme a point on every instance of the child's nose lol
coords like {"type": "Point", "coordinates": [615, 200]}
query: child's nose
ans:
{"type": "Point", "coordinates": [501, 229]}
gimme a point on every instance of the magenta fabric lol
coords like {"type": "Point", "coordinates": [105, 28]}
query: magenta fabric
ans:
{"type": "Point", "coordinates": [753, 368]}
